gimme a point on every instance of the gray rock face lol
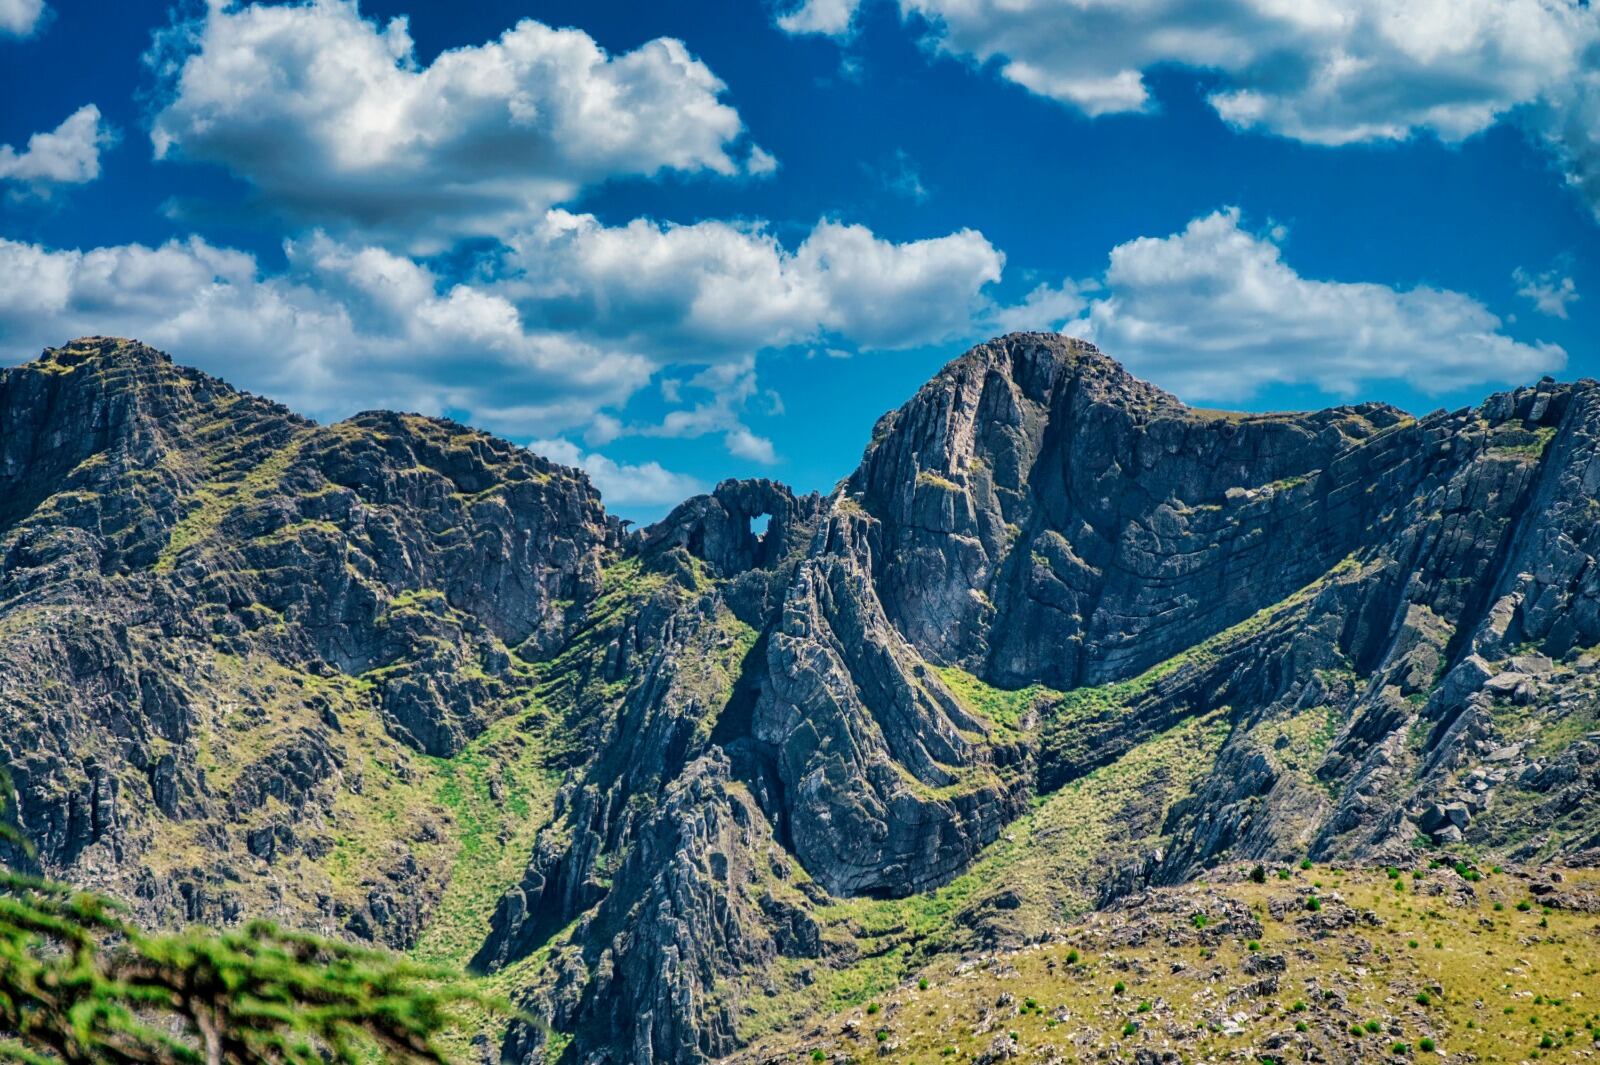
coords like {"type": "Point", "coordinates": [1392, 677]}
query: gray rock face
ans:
{"type": "Point", "coordinates": [889, 785]}
{"type": "Point", "coordinates": [1048, 518]}
{"type": "Point", "coordinates": [680, 920]}
{"type": "Point", "coordinates": [218, 622]}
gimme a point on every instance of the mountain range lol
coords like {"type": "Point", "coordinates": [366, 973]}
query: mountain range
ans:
{"type": "Point", "coordinates": [1059, 642]}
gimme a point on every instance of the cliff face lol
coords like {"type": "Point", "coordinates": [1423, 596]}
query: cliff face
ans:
{"type": "Point", "coordinates": [1058, 638]}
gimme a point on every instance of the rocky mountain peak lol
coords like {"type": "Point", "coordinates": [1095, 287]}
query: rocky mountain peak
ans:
{"type": "Point", "coordinates": [1020, 489]}
{"type": "Point", "coordinates": [101, 349]}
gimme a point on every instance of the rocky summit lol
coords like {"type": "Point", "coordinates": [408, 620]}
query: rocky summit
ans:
{"type": "Point", "coordinates": [1063, 665]}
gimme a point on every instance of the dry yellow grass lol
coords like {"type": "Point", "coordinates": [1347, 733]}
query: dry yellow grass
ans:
{"type": "Point", "coordinates": [1443, 966]}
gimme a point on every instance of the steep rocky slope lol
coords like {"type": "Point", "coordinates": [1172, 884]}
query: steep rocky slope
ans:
{"type": "Point", "coordinates": [1057, 640]}
{"type": "Point", "coordinates": [233, 640]}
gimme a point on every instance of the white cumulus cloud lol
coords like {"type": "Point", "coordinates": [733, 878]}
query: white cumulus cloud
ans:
{"type": "Point", "coordinates": [341, 330]}
{"type": "Point", "coordinates": [716, 293]}
{"type": "Point", "coordinates": [554, 336]}
{"type": "Point", "coordinates": [1327, 71]}
{"type": "Point", "coordinates": [1044, 310]}
{"type": "Point", "coordinates": [1214, 312]}
{"type": "Point", "coordinates": [1549, 291]}
{"type": "Point", "coordinates": [745, 444]}
{"type": "Point", "coordinates": [724, 390]}
{"type": "Point", "coordinates": [1568, 122]}
{"type": "Point", "coordinates": [621, 484]}
{"type": "Point", "coordinates": [1323, 71]}
{"type": "Point", "coordinates": [66, 155]}
{"type": "Point", "coordinates": [333, 119]}
{"type": "Point", "coordinates": [19, 18]}
{"type": "Point", "coordinates": [721, 290]}
{"type": "Point", "coordinates": [830, 17]}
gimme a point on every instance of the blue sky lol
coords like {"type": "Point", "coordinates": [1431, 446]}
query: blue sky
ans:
{"type": "Point", "coordinates": [678, 242]}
